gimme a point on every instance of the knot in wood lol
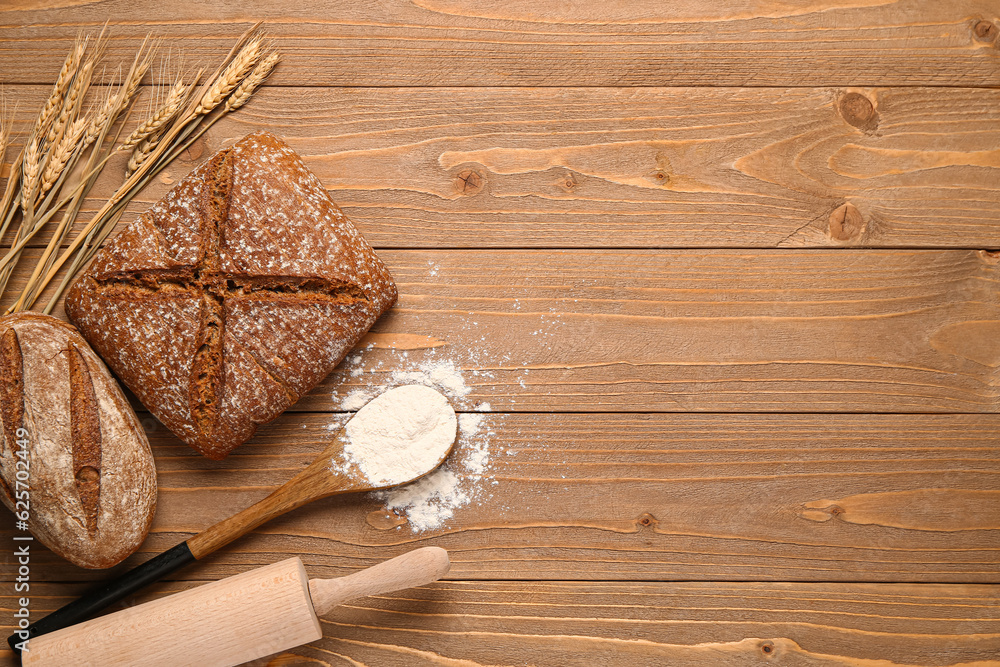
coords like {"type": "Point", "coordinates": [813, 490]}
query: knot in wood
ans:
{"type": "Point", "coordinates": [568, 183]}
{"type": "Point", "coordinates": [846, 222]}
{"type": "Point", "coordinates": [858, 111]}
{"type": "Point", "coordinates": [990, 256]}
{"type": "Point", "coordinates": [767, 648]}
{"type": "Point", "coordinates": [985, 31]}
{"type": "Point", "coordinates": [646, 520]}
{"type": "Point", "coordinates": [659, 177]}
{"type": "Point", "coordinates": [469, 181]}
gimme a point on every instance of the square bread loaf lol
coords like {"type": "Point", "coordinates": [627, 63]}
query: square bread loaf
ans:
{"type": "Point", "coordinates": [232, 296]}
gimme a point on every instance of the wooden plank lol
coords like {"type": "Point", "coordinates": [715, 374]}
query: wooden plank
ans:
{"type": "Point", "coordinates": [543, 42]}
{"type": "Point", "coordinates": [677, 331]}
{"type": "Point", "coordinates": [471, 623]}
{"type": "Point", "coordinates": [685, 330]}
{"type": "Point", "coordinates": [653, 167]}
{"type": "Point", "coordinates": [876, 498]}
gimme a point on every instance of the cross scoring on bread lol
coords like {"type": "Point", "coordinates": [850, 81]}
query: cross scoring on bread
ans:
{"type": "Point", "coordinates": [232, 296]}
{"type": "Point", "coordinates": [213, 286]}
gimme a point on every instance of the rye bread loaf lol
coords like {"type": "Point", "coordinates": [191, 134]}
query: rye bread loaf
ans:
{"type": "Point", "coordinates": [90, 491]}
{"type": "Point", "coordinates": [233, 296]}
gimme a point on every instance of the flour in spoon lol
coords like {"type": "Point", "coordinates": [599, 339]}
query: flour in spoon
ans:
{"type": "Point", "coordinates": [400, 435]}
{"type": "Point", "coordinates": [466, 477]}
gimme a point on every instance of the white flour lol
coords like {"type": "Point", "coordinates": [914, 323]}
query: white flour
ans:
{"type": "Point", "coordinates": [400, 435]}
{"type": "Point", "coordinates": [431, 501]}
{"type": "Point", "coordinates": [442, 374]}
{"type": "Point", "coordinates": [355, 400]}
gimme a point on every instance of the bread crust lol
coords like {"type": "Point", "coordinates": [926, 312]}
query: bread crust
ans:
{"type": "Point", "coordinates": [92, 479]}
{"type": "Point", "coordinates": [233, 296]}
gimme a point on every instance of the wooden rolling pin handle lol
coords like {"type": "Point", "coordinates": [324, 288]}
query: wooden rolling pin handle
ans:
{"type": "Point", "coordinates": [415, 568]}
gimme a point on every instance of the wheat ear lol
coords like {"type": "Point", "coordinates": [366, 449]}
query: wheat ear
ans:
{"type": "Point", "coordinates": [231, 76]}
{"type": "Point", "coordinates": [116, 102]}
{"type": "Point", "coordinates": [61, 153]}
{"type": "Point", "coordinates": [31, 167]}
{"type": "Point", "coordinates": [256, 77]}
{"type": "Point", "coordinates": [72, 101]}
{"type": "Point", "coordinates": [141, 64]}
{"type": "Point", "coordinates": [54, 102]}
{"type": "Point", "coordinates": [108, 108]}
{"type": "Point", "coordinates": [159, 118]}
{"type": "Point", "coordinates": [142, 152]}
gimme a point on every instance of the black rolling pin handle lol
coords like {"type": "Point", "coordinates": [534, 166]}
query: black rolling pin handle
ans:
{"type": "Point", "coordinates": [106, 595]}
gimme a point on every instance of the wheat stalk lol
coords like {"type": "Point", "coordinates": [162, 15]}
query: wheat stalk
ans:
{"type": "Point", "coordinates": [6, 127]}
{"type": "Point", "coordinates": [8, 202]}
{"type": "Point", "coordinates": [231, 76]}
{"type": "Point", "coordinates": [243, 92]}
{"type": "Point", "coordinates": [31, 167]}
{"type": "Point", "coordinates": [158, 120]}
{"type": "Point", "coordinates": [66, 75]}
{"type": "Point", "coordinates": [61, 154]}
{"type": "Point", "coordinates": [141, 153]}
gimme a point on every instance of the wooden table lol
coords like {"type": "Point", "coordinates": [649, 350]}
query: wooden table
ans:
{"type": "Point", "coordinates": [723, 273]}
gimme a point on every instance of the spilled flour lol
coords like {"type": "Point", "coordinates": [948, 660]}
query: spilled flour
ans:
{"type": "Point", "coordinates": [463, 479]}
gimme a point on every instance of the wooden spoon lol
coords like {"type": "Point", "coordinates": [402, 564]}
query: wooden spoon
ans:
{"type": "Point", "coordinates": [332, 473]}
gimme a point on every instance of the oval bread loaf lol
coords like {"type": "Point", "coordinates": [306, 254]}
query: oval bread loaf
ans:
{"type": "Point", "coordinates": [90, 491]}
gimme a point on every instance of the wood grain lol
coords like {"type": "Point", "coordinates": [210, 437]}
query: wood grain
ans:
{"type": "Point", "coordinates": [656, 624]}
{"type": "Point", "coordinates": [726, 331]}
{"type": "Point", "coordinates": [543, 42]}
{"type": "Point", "coordinates": [655, 167]}
{"type": "Point", "coordinates": [562, 624]}
{"type": "Point", "coordinates": [689, 330]}
{"type": "Point", "coordinates": [622, 497]}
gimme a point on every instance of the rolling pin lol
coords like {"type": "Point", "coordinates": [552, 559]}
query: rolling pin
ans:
{"type": "Point", "coordinates": [230, 621]}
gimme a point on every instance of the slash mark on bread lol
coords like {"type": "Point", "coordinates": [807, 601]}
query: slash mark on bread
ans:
{"type": "Point", "coordinates": [207, 370]}
{"type": "Point", "coordinates": [85, 424]}
{"type": "Point", "coordinates": [207, 373]}
{"type": "Point", "coordinates": [11, 396]}
{"type": "Point", "coordinates": [12, 389]}
{"type": "Point", "coordinates": [220, 184]}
